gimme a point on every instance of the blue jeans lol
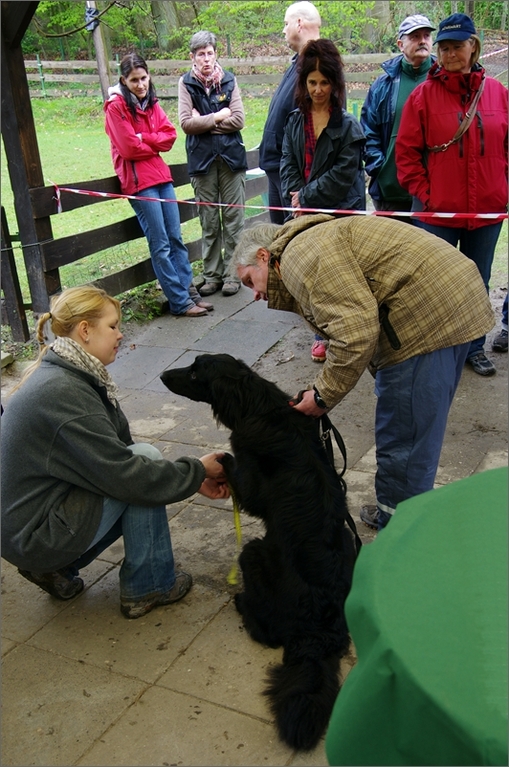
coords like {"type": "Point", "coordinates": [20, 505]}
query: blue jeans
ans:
{"type": "Point", "coordinates": [148, 565]}
{"type": "Point", "coordinates": [478, 245]}
{"type": "Point", "coordinates": [160, 222]}
{"type": "Point", "coordinates": [414, 398]}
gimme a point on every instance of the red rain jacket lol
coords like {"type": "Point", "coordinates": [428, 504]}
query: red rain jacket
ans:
{"type": "Point", "coordinates": [471, 175]}
{"type": "Point", "coordinates": [136, 161]}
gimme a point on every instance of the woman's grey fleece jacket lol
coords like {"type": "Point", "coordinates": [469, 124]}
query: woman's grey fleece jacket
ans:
{"type": "Point", "coordinates": [64, 448]}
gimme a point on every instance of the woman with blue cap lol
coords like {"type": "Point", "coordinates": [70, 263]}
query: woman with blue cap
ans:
{"type": "Point", "coordinates": [451, 152]}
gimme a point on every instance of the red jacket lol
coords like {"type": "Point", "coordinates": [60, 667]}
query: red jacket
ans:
{"type": "Point", "coordinates": [471, 175]}
{"type": "Point", "coordinates": [137, 161]}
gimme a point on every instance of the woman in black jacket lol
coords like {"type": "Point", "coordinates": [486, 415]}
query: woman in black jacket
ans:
{"type": "Point", "coordinates": [321, 166]}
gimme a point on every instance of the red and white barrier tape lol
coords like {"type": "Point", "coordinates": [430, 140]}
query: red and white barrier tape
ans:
{"type": "Point", "coordinates": [421, 214]}
{"type": "Point", "coordinates": [492, 53]}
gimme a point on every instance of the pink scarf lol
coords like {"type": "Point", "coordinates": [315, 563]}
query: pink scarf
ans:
{"type": "Point", "coordinates": [212, 80]}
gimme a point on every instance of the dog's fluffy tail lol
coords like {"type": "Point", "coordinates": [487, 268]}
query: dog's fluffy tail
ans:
{"type": "Point", "coordinates": [302, 691]}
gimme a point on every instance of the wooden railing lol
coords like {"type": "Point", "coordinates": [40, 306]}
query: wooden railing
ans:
{"type": "Point", "coordinates": [167, 73]}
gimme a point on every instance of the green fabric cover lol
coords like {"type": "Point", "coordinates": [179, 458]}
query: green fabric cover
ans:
{"type": "Point", "coordinates": [428, 616]}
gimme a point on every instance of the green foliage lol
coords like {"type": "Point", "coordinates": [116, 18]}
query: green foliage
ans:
{"type": "Point", "coordinates": [141, 304]}
{"type": "Point", "coordinates": [250, 24]}
{"type": "Point", "coordinates": [242, 27]}
{"type": "Point", "coordinates": [487, 15]}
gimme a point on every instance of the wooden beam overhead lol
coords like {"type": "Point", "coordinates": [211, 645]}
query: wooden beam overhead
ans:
{"type": "Point", "coordinates": [15, 20]}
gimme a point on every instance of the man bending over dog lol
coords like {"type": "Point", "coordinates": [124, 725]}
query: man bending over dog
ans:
{"type": "Point", "coordinates": [382, 297]}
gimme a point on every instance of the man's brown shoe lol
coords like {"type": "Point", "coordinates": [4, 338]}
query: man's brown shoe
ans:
{"type": "Point", "coordinates": [194, 311]}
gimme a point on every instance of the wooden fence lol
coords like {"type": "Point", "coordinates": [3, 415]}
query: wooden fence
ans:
{"type": "Point", "coordinates": [52, 254]}
{"type": "Point", "coordinates": [252, 74]}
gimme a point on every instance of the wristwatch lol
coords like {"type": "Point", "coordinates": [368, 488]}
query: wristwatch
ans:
{"type": "Point", "coordinates": [318, 400]}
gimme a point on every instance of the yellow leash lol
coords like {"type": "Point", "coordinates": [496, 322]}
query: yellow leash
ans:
{"type": "Point", "coordinates": [232, 575]}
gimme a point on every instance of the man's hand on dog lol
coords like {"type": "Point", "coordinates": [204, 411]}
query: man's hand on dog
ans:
{"type": "Point", "coordinates": [215, 485]}
{"type": "Point", "coordinates": [305, 403]}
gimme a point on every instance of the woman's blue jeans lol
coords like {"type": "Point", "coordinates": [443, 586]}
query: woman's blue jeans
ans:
{"type": "Point", "coordinates": [413, 402]}
{"type": "Point", "coordinates": [148, 567]}
{"type": "Point", "coordinates": [160, 222]}
{"type": "Point", "coordinates": [478, 245]}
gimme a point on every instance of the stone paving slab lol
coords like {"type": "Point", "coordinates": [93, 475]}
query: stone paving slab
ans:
{"type": "Point", "coordinates": [58, 707]}
{"type": "Point", "coordinates": [170, 728]}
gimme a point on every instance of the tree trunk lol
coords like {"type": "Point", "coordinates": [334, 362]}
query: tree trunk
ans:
{"type": "Point", "coordinates": [165, 21]}
{"type": "Point", "coordinates": [470, 8]}
{"type": "Point", "coordinates": [100, 55]}
{"type": "Point", "coordinates": [382, 13]}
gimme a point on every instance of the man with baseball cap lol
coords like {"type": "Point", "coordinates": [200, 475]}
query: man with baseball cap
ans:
{"type": "Point", "coordinates": [382, 109]}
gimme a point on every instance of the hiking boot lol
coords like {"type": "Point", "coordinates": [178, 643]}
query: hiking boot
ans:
{"type": "Point", "coordinates": [57, 584]}
{"type": "Point", "coordinates": [481, 364]}
{"type": "Point", "coordinates": [319, 351]}
{"type": "Point", "coordinates": [209, 288]}
{"type": "Point", "coordinates": [369, 515]}
{"type": "Point", "coordinates": [137, 608]}
{"type": "Point", "coordinates": [230, 288]}
{"type": "Point", "coordinates": [500, 342]}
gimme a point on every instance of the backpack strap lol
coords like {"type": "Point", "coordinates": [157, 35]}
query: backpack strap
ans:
{"type": "Point", "coordinates": [465, 125]}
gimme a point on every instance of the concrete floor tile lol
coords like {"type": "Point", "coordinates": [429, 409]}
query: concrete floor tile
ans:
{"type": "Point", "coordinates": [315, 758]}
{"type": "Point", "coordinates": [7, 646]}
{"type": "Point", "coordinates": [246, 340]}
{"type": "Point", "coordinates": [53, 708]}
{"type": "Point", "coordinates": [168, 332]}
{"type": "Point", "coordinates": [97, 633]}
{"type": "Point", "coordinates": [494, 459]}
{"type": "Point", "coordinates": [151, 414]}
{"type": "Point", "coordinates": [368, 461]}
{"type": "Point", "coordinates": [257, 310]}
{"type": "Point", "coordinates": [141, 365]}
{"type": "Point", "coordinates": [26, 608]}
{"type": "Point", "coordinates": [225, 666]}
{"type": "Point", "coordinates": [204, 540]}
{"type": "Point", "coordinates": [169, 728]}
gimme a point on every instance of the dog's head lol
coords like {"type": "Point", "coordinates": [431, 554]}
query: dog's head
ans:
{"type": "Point", "coordinates": [227, 384]}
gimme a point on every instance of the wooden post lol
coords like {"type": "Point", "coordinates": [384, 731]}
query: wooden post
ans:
{"type": "Point", "coordinates": [25, 171]}
{"type": "Point", "coordinates": [10, 285]}
{"type": "Point", "coordinates": [102, 60]}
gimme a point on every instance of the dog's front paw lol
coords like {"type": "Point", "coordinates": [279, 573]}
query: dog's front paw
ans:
{"type": "Point", "coordinates": [228, 462]}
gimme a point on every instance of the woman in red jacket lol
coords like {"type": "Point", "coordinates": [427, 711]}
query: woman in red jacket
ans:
{"type": "Point", "coordinates": [465, 176]}
{"type": "Point", "coordinates": [139, 130]}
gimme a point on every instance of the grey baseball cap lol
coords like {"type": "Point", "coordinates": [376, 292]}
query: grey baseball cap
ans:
{"type": "Point", "coordinates": [411, 23]}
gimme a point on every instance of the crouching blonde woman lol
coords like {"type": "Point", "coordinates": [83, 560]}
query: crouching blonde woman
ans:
{"type": "Point", "coordinates": [73, 481]}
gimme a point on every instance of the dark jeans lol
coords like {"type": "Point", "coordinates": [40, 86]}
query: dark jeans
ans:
{"type": "Point", "coordinates": [413, 402]}
{"type": "Point", "coordinates": [504, 313]}
{"type": "Point", "coordinates": [275, 197]}
{"type": "Point", "coordinates": [478, 245]}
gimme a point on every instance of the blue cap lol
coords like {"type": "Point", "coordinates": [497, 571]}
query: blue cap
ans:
{"type": "Point", "coordinates": [458, 26]}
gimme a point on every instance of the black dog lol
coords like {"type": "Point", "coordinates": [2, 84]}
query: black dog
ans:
{"type": "Point", "coordinates": [297, 577]}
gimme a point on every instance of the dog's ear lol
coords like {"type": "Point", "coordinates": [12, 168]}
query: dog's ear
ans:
{"type": "Point", "coordinates": [228, 386]}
